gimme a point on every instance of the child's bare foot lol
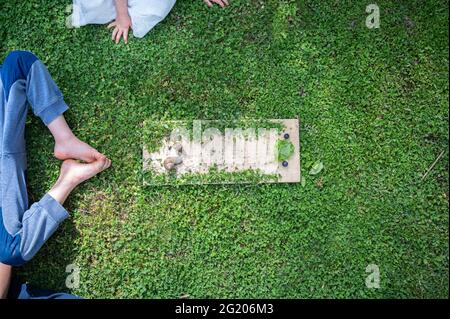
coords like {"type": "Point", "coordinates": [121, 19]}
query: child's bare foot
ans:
{"type": "Point", "coordinates": [73, 148]}
{"type": "Point", "coordinates": [74, 173]}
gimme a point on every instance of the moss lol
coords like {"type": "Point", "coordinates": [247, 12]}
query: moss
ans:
{"type": "Point", "coordinates": [213, 176]}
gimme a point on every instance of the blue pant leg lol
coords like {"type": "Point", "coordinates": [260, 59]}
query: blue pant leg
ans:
{"type": "Point", "coordinates": [20, 290]}
{"type": "Point", "coordinates": [24, 81]}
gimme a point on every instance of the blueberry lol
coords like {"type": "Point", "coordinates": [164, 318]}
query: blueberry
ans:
{"type": "Point", "coordinates": [286, 136]}
{"type": "Point", "coordinates": [285, 164]}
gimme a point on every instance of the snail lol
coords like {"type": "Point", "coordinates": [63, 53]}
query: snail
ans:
{"type": "Point", "coordinates": [170, 162]}
{"type": "Point", "coordinates": [174, 158]}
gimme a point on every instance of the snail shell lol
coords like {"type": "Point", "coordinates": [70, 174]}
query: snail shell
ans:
{"type": "Point", "coordinates": [170, 162]}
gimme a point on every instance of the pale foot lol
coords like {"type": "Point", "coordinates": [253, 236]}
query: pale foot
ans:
{"type": "Point", "coordinates": [74, 173]}
{"type": "Point", "coordinates": [73, 148]}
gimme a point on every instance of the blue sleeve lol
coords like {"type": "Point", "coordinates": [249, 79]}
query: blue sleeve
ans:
{"type": "Point", "coordinates": [38, 225]}
{"type": "Point", "coordinates": [43, 94]}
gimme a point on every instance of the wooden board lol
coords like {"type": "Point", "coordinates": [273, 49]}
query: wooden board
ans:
{"type": "Point", "coordinates": [242, 150]}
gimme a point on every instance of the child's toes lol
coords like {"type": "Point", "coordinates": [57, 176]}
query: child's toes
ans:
{"type": "Point", "coordinates": [108, 163]}
{"type": "Point", "coordinates": [98, 165]}
{"type": "Point", "coordinates": [105, 163]}
{"type": "Point", "coordinates": [97, 154]}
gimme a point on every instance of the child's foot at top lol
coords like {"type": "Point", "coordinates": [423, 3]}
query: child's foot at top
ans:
{"type": "Point", "coordinates": [68, 146]}
{"type": "Point", "coordinates": [72, 148]}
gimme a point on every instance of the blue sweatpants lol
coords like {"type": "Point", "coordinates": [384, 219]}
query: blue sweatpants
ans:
{"type": "Point", "coordinates": [18, 290]}
{"type": "Point", "coordinates": [24, 81]}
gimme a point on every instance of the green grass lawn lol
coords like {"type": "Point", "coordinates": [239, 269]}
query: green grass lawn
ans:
{"type": "Point", "coordinates": [374, 110]}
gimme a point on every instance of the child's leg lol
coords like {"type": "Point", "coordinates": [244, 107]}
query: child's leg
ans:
{"type": "Point", "coordinates": [92, 12]}
{"type": "Point", "coordinates": [23, 231]}
{"type": "Point", "coordinates": [5, 278]}
{"type": "Point", "coordinates": [147, 14]}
